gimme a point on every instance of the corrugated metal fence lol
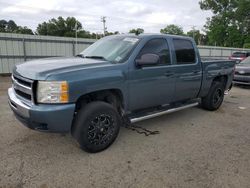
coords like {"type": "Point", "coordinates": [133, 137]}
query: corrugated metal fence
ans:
{"type": "Point", "coordinates": [214, 52]}
{"type": "Point", "coordinates": [17, 48]}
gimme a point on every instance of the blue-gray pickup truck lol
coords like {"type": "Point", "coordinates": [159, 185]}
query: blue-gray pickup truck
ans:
{"type": "Point", "coordinates": [120, 78]}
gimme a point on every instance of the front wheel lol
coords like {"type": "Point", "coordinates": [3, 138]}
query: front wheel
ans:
{"type": "Point", "coordinates": [214, 98]}
{"type": "Point", "coordinates": [96, 126]}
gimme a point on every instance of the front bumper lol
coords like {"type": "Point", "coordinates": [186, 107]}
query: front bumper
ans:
{"type": "Point", "coordinates": [43, 117]}
{"type": "Point", "coordinates": [241, 79]}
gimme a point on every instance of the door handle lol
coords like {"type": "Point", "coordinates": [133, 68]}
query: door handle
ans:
{"type": "Point", "coordinates": [168, 74]}
{"type": "Point", "coordinates": [196, 72]}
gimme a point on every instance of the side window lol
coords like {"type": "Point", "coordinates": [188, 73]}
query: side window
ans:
{"type": "Point", "coordinates": [184, 51]}
{"type": "Point", "coordinates": [159, 47]}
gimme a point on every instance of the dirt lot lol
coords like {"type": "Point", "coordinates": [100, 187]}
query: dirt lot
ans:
{"type": "Point", "coordinates": [195, 148]}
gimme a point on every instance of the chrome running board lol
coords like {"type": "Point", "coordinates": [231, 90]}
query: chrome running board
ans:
{"type": "Point", "coordinates": [137, 119]}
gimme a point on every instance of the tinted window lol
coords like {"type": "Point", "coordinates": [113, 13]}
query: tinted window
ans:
{"type": "Point", "coordinates": [239, 54]}
{"type": "Point", "coordinates": [184, 51]}
{"type": "Point", "coordinates": [159, 47]}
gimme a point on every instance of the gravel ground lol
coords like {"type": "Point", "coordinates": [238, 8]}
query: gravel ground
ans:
{"type": "Point", "coordinates": [195, 148]}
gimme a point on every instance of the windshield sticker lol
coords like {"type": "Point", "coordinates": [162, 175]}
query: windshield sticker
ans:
{"type": "Point", "coordinates": [130, 39]}
{"type": "Point", "coordinates": [118, 58]}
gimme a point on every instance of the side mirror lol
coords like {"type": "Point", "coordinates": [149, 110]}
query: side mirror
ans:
{"type": "Point", "coordinates": [148, 59]}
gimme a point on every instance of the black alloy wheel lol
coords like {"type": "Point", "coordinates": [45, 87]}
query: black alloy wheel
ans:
{"type": "Point", "coordinates": [96, 126]}
{"type": "Point", "coordinates": [101, 129]}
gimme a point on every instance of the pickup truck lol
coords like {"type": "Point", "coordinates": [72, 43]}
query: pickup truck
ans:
{"type": "Point", "coordinates": [119, 78]}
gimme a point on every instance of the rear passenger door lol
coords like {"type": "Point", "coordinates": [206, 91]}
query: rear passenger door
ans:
{"type": "Point", "coordinates": [152, 85]}
{"type": "Point", "coordinates": [188, 71]}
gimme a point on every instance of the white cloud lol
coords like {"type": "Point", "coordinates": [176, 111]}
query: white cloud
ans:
{"type": "Point", "coordinates": [30, 6]}
{"type": "Point", "coordinates": [160, 18]}
{"type": "Point", "coordinates": [121, 15]}
{"type": "Point", "coordinates": [130, 8]}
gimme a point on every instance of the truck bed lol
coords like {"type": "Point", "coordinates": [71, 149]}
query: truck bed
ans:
{"type": "Point", "coordinates": [214, 68]}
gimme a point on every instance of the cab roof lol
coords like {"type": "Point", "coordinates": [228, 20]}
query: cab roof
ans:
{"type": "Point", "coordinates": [147, 35]}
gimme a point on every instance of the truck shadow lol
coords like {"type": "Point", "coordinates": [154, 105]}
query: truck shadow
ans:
{"type": "Point", "coordinates": [49, 145]}
{"type": "Point", "coordinates": [167, 122]}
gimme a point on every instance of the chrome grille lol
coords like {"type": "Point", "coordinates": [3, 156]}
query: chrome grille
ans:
{"type": "Point", "coordinates": [242, 73]}
{"type": "Point", "coordinates": [22, 87]}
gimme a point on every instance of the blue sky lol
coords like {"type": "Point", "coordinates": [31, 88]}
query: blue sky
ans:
{"type": "Point", "coordinates": [121, 15]}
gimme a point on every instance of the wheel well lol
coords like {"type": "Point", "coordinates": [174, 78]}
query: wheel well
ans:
{"type": "Point", "coordinates": [111, 96]}
{"type": "Point", "coordinates": [222, 79]}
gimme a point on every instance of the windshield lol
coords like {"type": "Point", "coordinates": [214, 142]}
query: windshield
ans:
{"type": "Point", "coordinates": [246, 61]}
{"type": "Point", "coordinates": [114, 49]}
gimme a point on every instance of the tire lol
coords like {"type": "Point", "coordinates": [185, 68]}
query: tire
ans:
{"type": "Point", "coordinates": [96, 126]}
{"type": "Point", "coordinates": [214, 98]}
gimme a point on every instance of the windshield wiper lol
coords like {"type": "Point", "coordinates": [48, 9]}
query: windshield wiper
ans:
{"type": "Point", "coordinates": [96, 57]}
{"type": "Point", "coordinates": [80, 55]}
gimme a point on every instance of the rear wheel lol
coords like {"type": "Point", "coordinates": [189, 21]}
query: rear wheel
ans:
{"type": "Point", "coordinates": [96, 126]}
{"type": "Point", "coordinates": [214, 98]}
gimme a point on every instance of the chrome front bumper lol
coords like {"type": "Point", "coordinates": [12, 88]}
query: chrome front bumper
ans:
{"type": "Point", "coordinates": [42, 117]}
{"type": "Point", "coordinates": [17, 105]}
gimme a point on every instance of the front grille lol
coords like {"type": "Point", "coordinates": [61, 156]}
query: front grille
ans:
{"type": "Point", "coordinates": [26, 83]}
{"type": "Point", "coordinates": [22, 87]}
{"type": "Point", "coordinates": [240, 80]}
{"type": "Point", "coordinates": [243, 74]}
{"type": "Point", "coordinates": [22, 94]}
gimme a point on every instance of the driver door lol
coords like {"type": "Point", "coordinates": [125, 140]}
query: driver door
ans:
{"type": "Point", "coordinates": [152, 85]}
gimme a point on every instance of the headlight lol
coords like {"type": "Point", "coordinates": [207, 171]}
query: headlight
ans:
{"type": "Point", "coordinates": [52, 92]}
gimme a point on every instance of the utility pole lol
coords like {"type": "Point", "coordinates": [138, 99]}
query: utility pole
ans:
{"type": "Point", "coordinates": [198, 35]}
{"type": "Point", "coordinates": [193, 28]}
{"type": "Point", "coordinates": [76, 47]}
{"type": "Point", "coordinates": [103, 20]}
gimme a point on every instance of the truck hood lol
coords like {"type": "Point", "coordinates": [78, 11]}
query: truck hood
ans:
{"type": "Point", "coordinates": [41, 69]}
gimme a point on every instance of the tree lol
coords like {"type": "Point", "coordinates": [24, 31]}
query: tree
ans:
{"type": "Point", "coordinates": [11, 27]}
{"type": "Point", "coordinates": [24, 30]}
{"type": "Point", "coordinates": [137, 31]}
{"type": "Point", "coordinates": [242, 13]}
{"type": "Point", "coordinates": [111, 33]}
{"type": "Point", "coordinates": [173, 30]}
{"type": "Point", "coordinates": [63, 27]}
{"type": "Point", "coordinates": [246, 45]}
{"type": "Point", "coordinates": [229, 26]}
{"type": "Point", "coordinates": [195, 34]}
{"type": "Point", "coordinates": [203, 39]}
{"type": "Point", "coordinates": [3, 24]}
